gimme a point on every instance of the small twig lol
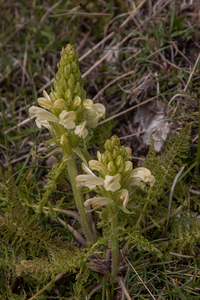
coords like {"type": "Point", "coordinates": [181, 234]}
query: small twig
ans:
{"type": "Point", "coordinates": [172, 192]}
{"type": "Point", "coordinates": [99, 61]}
{"type": "Point", "coordinates": [20, 124]}
{"type": "Point", "coordinates": [123, 287]}
{"type": "Point", "coordinates": [127, 110]}
{"type": "Point", "coordinates": [76, 234]}
{"type": "Point", "coordinates": [111, 82]}
{"type": "Point", "coordinates": [48, 12]}
{"type": "Point", "coordinates": [24, 73]}
{"type": "Point", "coordinates": [18, 29]}
{"type": "Point", "coordinates": [191, 74]}
{"type": "Point", "coordinates": [140, 279]}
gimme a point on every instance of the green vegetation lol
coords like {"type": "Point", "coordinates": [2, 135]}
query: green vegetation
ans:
{"type": "Point", "coordinates": [130, 53]}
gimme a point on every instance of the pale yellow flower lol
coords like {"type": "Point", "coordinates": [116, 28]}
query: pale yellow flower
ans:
{"type": "Point", "coordinates": [98, 201]}
{"type": "Point", "coordinates": [43, 117]}
{"type": "Point", "coordinates": [141, 174]}
{"type": "Point", "coordinates": [67, 119]}
{"type": "Point", "coordinates": [88, 104]}
{"type": "Point", "coordinates": [95, 114]}
{"type": "Point", "coordinates": [59, 103]}
{"type": "Point", "coordinates": [124, 197]}
{"type": "Point", "coordinates": [89, 180]}
{"type": "Point", "coordinates": [112, 183]}
{"type": "Point", "coordinates": [45, 101]}
{"type": "Point", "coordinates": [81, 130]}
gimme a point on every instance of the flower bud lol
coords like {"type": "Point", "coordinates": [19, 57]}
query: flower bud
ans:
{"type": "Point", "coordinates": [46, 95]}
{"type": "Point", "coordinates": [60, 103]}
{"type": "Point", "coordinates": [119, 161]}
{"type": "Point", "coordinates": [108, 145]}
{"type": "Point", "coordinates": [74, 67]}
{"type": "Point", "coordinates": [77, 88]}
{"type": "Point", "coordinates": [109, 156]}
{"type": "Point", "coordinates": [44, 102]}
{"type": "Point", "coordinates": [129, 152]}
{"type": "Point", "coordinates": [64, 84]}
{"type": "Point", "coordinates": [99, 155]}
{"type": "Point", "coordinates": [54, 96]}
{"type": "Point", "coordinates": [77, 102]}
{"type": "Point", "coordinates": [68, 97]}
{"type": "Point", "coordinates": [115, 141]}
{"type": "Point", "coordinates": [115, 152]}
{"type": "Point", "coordinates": [71, 82]}
{"type": "Point", "coordinates": [71, 55]}
{"type": "Point", "coordinates": [96, 165]}
{"type": "Point", "coordinates": [88, 104]}
{"type": "Point", "coordinates": [67, 71]}
{"type": "Point", "coordinates": [103, 158]}
{"type": "Point", "coordinates": [63, 139]}
{"type": "Point", "coordinates": [128, 166]}
{"type": "Point", "coordinates": [111, 168]}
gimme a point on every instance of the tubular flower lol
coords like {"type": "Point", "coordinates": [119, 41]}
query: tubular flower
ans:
{"type": "Point", "coordinates": [95, 114]}
{"type": "Point", "coordinates": [90, 180]}
{"type": "Point", "coordinates": [67, 119]}
{"type": "Point", "coordinates": [112, 183]}
{"type": "Point", "coordinates": [81, 130]}
{"type": "Point", "coordinates": [43, 117]}
{"type": "Point", "coordinates": [98, 201]}
{"type": "Point", "coordinates": [66, 110]}
{"type": "Point", "coordinates": [142, 174]}
{"type": "Point", "coordinates": [116, 176]}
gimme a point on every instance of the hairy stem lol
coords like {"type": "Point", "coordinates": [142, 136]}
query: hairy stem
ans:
{"type": "Point", "coordinates": [79, 201]}
{"type": "Point", "coordinates": [114, 245]}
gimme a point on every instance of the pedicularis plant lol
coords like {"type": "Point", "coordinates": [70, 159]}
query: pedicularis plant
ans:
{"type": "Point", "coordinates": [116, 204]}
{"type": "Point", "coordinates": [70, 117]}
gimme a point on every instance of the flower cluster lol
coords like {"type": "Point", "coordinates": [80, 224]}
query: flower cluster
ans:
{"type": "Point", "coordinates": [116, 175]}
{"type": "Point", "coordinates": [66, 112]}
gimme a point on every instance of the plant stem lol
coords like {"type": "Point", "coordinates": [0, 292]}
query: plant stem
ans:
{"type": "Point", "coordinates": [114, 245]}
{"type": "Point", "coordinates": [79, 201]}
